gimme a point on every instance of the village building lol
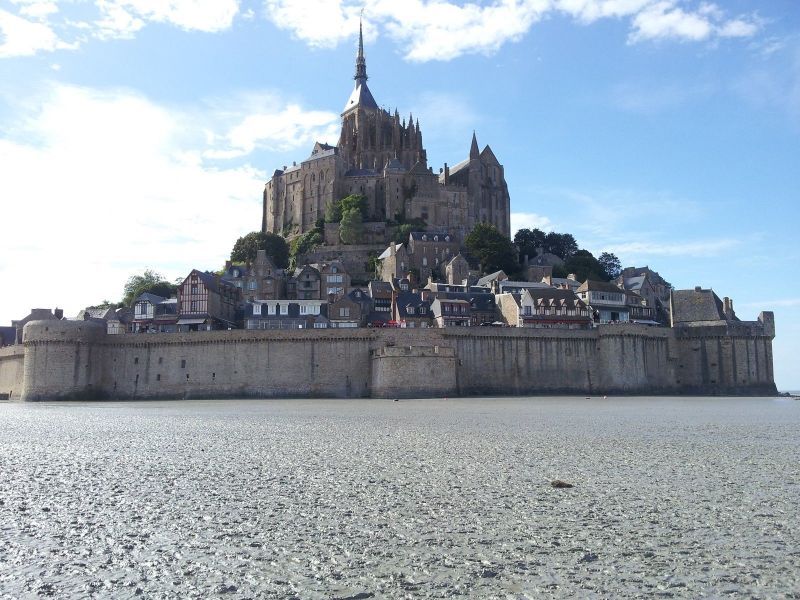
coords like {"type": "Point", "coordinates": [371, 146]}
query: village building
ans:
{"type": "Point", "coordinates": [448, 312]}
{"type": "Point", "coordinates": [545, 308]}
{"type": "Point", "coordinates": [206, 302]}
{"type": "Point", "coordinates": [154, 314]}
{"type": "Point", "coordinates": [286, 314]}
{"type": "Point", "coordinates": [260, 280]}
{"type": "Point", "coordinates": [606, 301]}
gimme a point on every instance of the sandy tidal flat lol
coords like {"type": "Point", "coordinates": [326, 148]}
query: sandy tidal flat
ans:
{"type": "Point", "coordinates": [672, 498]}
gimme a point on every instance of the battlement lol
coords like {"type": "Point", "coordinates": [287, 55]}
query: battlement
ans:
{"type": "Point", "coordinates": [78, 360]}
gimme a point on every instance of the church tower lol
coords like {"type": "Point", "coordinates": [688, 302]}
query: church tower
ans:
{"type": "Point", "coordinates": [371, 137]}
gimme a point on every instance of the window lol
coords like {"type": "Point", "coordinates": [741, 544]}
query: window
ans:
{"type": "Point", "coordinates": [424, 261]}
{"type": "Point", "coordinates": [251, 285]}
{"type": "Point", "coordinates": [344, 312]}
{"type": "Point", "coordinates": [335, 279]}
{"type": "Point", "coordinates": [334, 270]}
{"type": "Point", "coordinates": [335, 290]}
{"type": "Point", "coordinates": [194, 289]}
{"type": "Point", "coordinates": [256, 309]}
{"type": "Point", "coordinates": [271, 309]}
{"type": "Point", "coordinates": [422, 310]}
{"type": "Point", "coordinates": [284, 309]}
{"type": "Point", "coordinates": [303, 309]}
{"type": "Point", "coordinates": [193, 306]}
{"type": "Point", "coordinates": [410, 310]}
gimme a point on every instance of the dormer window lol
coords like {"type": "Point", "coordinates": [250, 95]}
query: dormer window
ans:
{"type": "Point", "coordinates": [436, 238]}
{"type": "Point", "coordinates": [236, 272]}
{"type": "Point", "coordinates": [424, 238]}
{"type": "Point", "coordinates": [447, 238]}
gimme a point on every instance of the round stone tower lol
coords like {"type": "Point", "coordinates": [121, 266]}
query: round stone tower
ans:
{"type": "Point", "coordinates": [61, 360]}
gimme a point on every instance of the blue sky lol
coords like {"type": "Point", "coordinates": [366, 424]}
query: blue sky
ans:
{"type": "Point", "coordinates": [139, 133]}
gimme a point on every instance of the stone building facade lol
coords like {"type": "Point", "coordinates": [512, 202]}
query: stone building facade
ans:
{"type": "Point", "coordinates": [381, 156]}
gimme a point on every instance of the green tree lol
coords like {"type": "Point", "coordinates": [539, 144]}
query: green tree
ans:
{"type": "Point", "coordinates": [528, 240]}
{"type": "Point", "coordinates": [610, 264]}
{"type": "Point", "coordinates": [494, 250]}
{"type": "Point", "coordinates": [562, 245]}
{"type": "Point", "coordinates": [302, 244]}
{"type": "Point", "coordinates": [351, 227]}
{"type": "Point", "coordinates": [149, 281]}
{"type": "Point", "coordinates": [334, 210]}
{"type": "Point", "coordinates": [245, 248]}
{"type": "Point", "coordinates": [402, 232]}
{"type": "Point", "coordinates": [585, 266]}
{"type": "Point", "coordinates": [355, 202]}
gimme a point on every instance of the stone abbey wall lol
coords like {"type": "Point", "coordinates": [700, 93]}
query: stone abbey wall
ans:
{"type": "Point", "coordinates": [77, 360]}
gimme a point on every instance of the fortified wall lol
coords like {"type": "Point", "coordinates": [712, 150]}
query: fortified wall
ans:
{"type": "Point", "coordinates": [78, 360]}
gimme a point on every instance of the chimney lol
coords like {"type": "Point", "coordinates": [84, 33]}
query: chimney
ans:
{"type": "Point", "coordinates": [727, 308]}
{"type": "Point", "coordinates": [548, 279]}
{"type": "Point", "coordinates": [59, 313]}
{"type": "Point", "coordinates": [446, 174]}
{"type": "Point", "coordinates": [572, 276]}
{"type": "Point", "coordinates": [392, 249]}
{"type": "Point", "coordinates": [228, 264]}
{"type": "Point", "coordinates": [697, 288]}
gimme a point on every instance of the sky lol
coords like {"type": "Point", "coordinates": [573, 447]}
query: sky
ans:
{"type": "Point", "coordinates": [139, 133]}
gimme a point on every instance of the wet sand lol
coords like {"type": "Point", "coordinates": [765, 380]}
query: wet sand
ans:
{"type": "Point", "coordinates": [672, 498]}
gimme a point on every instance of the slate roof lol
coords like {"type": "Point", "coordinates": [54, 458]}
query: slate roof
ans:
{"type": "Point", "coordinates": [507, 285]}
{"type": "Point", "coordinates": [694, 306]}
{"type": "Point", "coordinates": [387, 253]}
{"type": "Point", "coordinates": [599, 286]}
{"type": "Point", "coordinates": [361, 173]}
{"type": "Point", "coordinates": [361, 96]}
{"type": "Point", "coordinates": [211, 281]}
{"type": "Point", "coordinates": [417, 235]}
{"type": "Point", "coordinates": [419, 169]}
{"type": "Point", "coordinates": [410, 299]}
{"type": "Point", "coordinates": [488, 279]}
{"type": "Point", "coordinates": [151, 298]}
{"type": "Point", "coordinates": [8, 335]}
{"type": "Point", "coordinates": [380, 289]}
{"type": "Point", "coordinates": [553, 296]}
{"type": "Point", "coordinates": [480, 301]}
{"type": "Point", "coordinates": [634, 283]}
{"type": "Point", "coordinates": [395, 165]}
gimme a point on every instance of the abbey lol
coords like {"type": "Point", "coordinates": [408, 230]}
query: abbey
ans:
{"type": "Point", "coordinates": [382, 157]}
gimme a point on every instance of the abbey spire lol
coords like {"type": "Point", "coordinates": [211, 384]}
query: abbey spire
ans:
{"type": "Point", "coordinates": [361, 62]}
{"type": "Point", "coordinates": [361, 96]}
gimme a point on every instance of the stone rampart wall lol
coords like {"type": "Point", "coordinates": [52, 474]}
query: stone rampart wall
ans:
{"type": "Point", "coordinates": [75, 360]}
{"type": "Point", "coordinates": [12, 360]}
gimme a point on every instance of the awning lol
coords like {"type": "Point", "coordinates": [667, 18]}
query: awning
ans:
{"type": "Point", "coordinates": [191, 321]}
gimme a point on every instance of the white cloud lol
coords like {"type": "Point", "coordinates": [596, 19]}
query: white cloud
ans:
{"type": "Point", "coordinates": [426, 29]}
{"type": "Point", "coordinates": [282, 129]}
{"type": "Point", "coordinates": [99, 184]}
{"type": "Point", "coordinates": [197, 15]}
{"type": "Point", "coordinates": [319, 23]}
{"type": "Point", "coordinates": [702, 248]}
{"type": "Point", "coordinates": [22, 37]}
{"type": "Point", "coordinates": [36, 9]}
{"type": "Point", "coordinates": [445, 29]}
{"type": "Point", "coordinates": [529, 221]}
{"type": "Point", "coordinates": [664, 20]}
